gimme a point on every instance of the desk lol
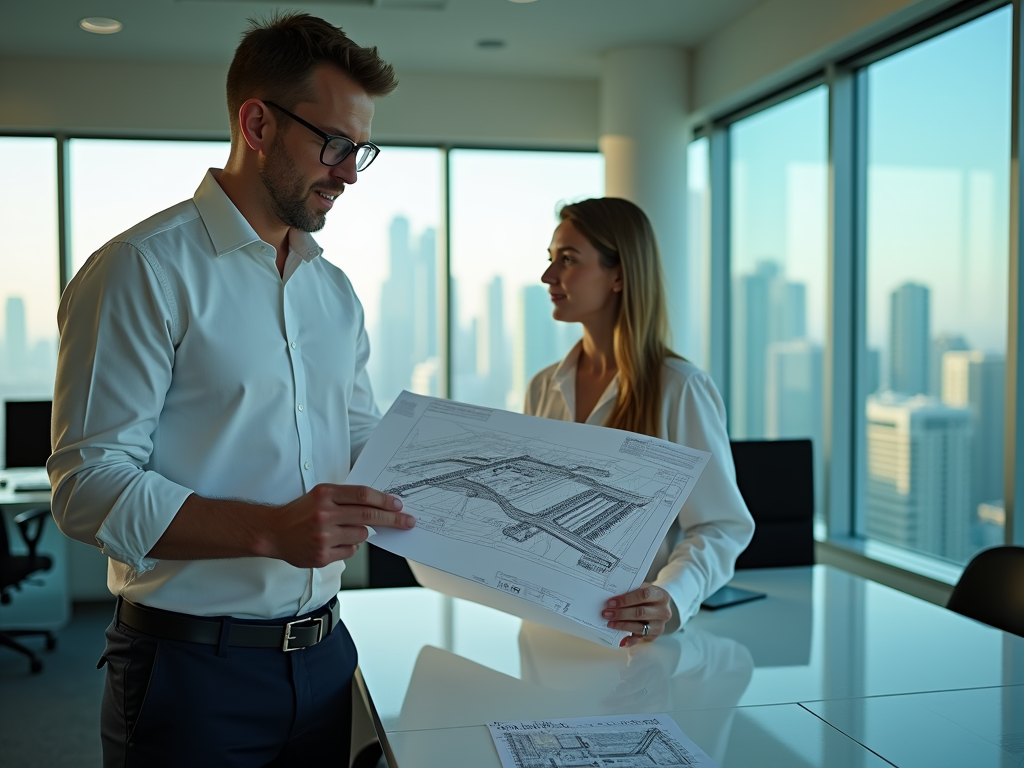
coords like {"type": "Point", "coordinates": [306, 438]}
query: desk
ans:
{"type": "Point", "coordinates": [762, 679]}
{"type": "Point", "coordinates": [46, 605]}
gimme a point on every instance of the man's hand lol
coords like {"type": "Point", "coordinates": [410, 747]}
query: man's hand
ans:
{"type": "Point", "coordinates": [649, 605]}
{"type": "Point", "coordinates": [329, 523]}
{"type": "Point", "coordinates": [321, 527]}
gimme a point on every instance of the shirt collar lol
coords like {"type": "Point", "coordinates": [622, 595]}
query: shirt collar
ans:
{"type": "Point", "coordinates": [229, 229]}
{"type": "Point", "coordinates": [564, 380]}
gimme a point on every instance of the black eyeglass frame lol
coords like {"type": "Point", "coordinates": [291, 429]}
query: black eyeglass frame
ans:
{"type": "Point", "coordinates": [328, 138]}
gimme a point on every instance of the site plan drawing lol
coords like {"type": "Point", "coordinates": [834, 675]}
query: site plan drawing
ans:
{"type": "Point", "coordinates": [556, 514]}
{"type": "Point", "coordinates": [627, 741]}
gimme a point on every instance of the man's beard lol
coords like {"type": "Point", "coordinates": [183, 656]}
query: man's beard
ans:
{"type": "Point", "coordinates": [288, 191]}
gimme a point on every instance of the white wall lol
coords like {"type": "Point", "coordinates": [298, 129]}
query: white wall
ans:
{"type": "Point", "coordinates": [780, 39]}
{"type": "Point", "coordinates": [187, 100]}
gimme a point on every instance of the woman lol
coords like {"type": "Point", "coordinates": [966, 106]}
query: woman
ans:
{"type": "Point", "coordinates": [606, 274]}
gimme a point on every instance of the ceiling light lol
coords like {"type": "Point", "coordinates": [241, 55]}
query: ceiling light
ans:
{"type": "Point", "coordinates": [522, 1]}
{"type": "Point", "coordinates": [100, 25]}
{"type": "Point", "coordinates": [490, 44]}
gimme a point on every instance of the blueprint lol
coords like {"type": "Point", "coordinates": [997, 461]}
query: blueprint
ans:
{"type": "Point", "coordinates": [627, 741]}
{"type": "Point", "coordinates": [556, 514]}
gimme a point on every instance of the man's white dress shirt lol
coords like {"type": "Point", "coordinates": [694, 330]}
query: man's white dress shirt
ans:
{"type": "Point", "coordinates": [714, 526]}
{"type": "Point", "coordinates": [188, 364]}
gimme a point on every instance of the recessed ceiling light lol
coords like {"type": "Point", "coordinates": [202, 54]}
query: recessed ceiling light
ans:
{"type": "Point", "coordinates": [522, 1]}
{"type": "Point", "coordinates": [100, 25]}
{"type": "Point", "coordinates": [490, 44]}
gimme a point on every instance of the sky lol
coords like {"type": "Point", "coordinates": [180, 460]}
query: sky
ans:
{"type": "Point", "coordinates": [938, 148]}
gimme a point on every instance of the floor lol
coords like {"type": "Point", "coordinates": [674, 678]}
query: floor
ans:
{"type": "Point", "coordinates": [51, 719]}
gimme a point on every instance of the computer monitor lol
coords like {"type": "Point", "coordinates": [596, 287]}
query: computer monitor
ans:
{"type": "Point", "coordinates": [27, 432]}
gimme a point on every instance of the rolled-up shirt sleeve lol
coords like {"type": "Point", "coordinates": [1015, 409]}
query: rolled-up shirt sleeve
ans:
{"type": "Point", "coordinates": [118, 326]}
{"type": "Point", "coordinates": [715, 524]}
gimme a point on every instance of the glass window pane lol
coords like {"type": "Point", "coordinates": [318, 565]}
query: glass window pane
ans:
{"type": "Point", "coordinates": [116, 183]}
{"type": "Point", "coordinates": [29, 264]}
{"type": "Point", "coordinates": [694, 339]}
{"type": "Point", "coordinates": [503, 210]}
{"type": "Point", "coordinates": [384, 233]}
{"type": "Point", "coordinates": [938, 163]}
{"type": "Point", "coordinates": [779, 261]}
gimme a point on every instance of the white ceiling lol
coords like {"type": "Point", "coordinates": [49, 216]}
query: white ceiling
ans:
{"type": "Point", "coordinates": [546, 37]}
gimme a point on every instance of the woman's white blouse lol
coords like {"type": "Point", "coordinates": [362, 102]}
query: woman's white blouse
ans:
{"type": "Point", "coordinates": [714, 526]}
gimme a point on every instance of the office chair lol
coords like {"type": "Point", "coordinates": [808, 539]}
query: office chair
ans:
{"type": "Point", "coordinates": [776, 480]}
{"type": "Point", "coordinates": [15, 569]}
{"type": "Point", "coordinates": [991, 589]}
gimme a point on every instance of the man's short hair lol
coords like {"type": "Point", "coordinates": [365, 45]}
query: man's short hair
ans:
{"type": "Point", "coordinates": [276, 58]}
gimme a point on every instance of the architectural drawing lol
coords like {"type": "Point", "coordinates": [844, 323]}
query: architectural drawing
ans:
{"type": "Point", "coordinates": [609, 749]}
{"type": "Point", "coordinates": [543, 519]}
{"type": "Point", "coordinates": [563, 507]}
{"type": "Point", "coordinates": [623, 741]}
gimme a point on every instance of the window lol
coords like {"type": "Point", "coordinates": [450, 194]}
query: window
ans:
{"type": "Point", "coordinates": [694, 341]}
{"type": "Point", "coordinates": [503, 211]}
{"type": "Point", "coordinates": [937, 206]}
{"type": "Point", "coordinates": [778, 240]}
{"type": "Point", "coordinates": [29, 263]}
{"type": "Point", "coordinates": [115, 184]}
{"type": "Point", "coordinates": [384, 234]}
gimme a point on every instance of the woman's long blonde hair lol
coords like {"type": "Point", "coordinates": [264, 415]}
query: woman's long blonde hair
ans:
{"type": "Point", "coordinates": [623, 235]}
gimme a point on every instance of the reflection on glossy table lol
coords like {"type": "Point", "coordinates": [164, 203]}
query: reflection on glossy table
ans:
{"type": "Point", "coordinates": [436, 669]}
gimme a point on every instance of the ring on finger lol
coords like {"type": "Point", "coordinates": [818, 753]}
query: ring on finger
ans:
{"type": "Point", "coordinates": [646, 630]}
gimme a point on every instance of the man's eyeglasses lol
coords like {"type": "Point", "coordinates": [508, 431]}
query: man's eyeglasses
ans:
{"type": "Point", "coordinates": [336, 148]}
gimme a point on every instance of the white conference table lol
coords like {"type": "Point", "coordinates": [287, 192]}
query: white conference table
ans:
{"type": "Point", "coordinates": [829, 670]}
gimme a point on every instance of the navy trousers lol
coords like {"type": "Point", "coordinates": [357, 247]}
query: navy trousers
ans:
{"type": "Point", "coordinates": [176, 705]}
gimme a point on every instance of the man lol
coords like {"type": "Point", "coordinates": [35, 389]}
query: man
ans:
{"type": "Point", "coordinates": [211, 396]}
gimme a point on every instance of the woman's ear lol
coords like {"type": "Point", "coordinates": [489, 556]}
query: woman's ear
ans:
{"type": "Point", "coordinates": [617, 285]}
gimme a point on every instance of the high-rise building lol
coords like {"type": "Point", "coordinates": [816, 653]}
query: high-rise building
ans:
{"type": "Point", "coordinates": [941, 344]}
{"type": "Point", "coordinates": [918, 477]}
{"type": "Point", "coordinates": [16, 341]}
{"type": "Point", "coordinates": [977, 381]}
{"type": "Point", "coordinates": [492, 354]}
{"type": "Point", "coordinates": [535, 344]}
{"type": "Point", "coordinates": [793, 395]}
{"type": "Point", "coordinates": [766, 309]}
{"type": "Point", "coordinates": [909, 339]}
{"type": "Point", "coordinates": [407, 332]}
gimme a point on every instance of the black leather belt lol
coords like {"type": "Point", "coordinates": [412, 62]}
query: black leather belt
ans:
{"type": "Point", "coordinates": [285, 635]}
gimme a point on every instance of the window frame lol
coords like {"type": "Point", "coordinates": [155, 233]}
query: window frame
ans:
{"type": "Point", "coordinates": [845, 382]}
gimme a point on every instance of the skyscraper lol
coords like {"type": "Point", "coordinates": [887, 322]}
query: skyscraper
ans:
{"type": "Point", "coordinates": [793, 395]}
{"type": "Point", "coordinates": [16, 342]}
{"type": "Point", "coordinates": [535, 344]}
{"type": "Point", "coordinates": [941, 344]}
{"type": "Point", "coordinates": [491, 350]}
{"type": "Point", "coordinates": [909, 339]}
{"type": "Point", "coordinates": [977, 381]}
{"type": "Point", "coordinates": [918, 477]}
{"type": "Point", "coordinates": [766, 309]}
{"type": "Point", "coordinates": [407, 334]}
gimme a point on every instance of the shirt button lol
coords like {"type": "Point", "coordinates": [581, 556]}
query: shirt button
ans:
{"type": "Point", "coordinates": [306, 465]}
{"type": "Point", "coordinates": [295, 345]}
{"type": "Point", "coordinates": [300, 406]}
{"type": "Point", "coordinates": [263, 249]}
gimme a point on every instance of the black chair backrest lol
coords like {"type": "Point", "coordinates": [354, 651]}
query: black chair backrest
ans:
{"type": "Point", "coordinates": [991, 589]}
{"type": "Point", "coordinates": [776, 479]}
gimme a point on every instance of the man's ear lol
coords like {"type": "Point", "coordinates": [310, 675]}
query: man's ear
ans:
{"type": "Point", "coordinates": [256, 124]}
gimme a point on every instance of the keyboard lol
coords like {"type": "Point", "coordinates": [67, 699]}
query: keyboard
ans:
{"type": "Point", "coordinates": [30, 486]}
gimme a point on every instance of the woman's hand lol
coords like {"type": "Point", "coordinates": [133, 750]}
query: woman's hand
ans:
{"type": "Point", "coordinates": [649, 605]}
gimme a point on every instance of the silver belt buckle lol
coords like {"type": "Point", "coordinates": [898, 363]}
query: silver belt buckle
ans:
{"type": "Point", "coordinates": [289, 637]}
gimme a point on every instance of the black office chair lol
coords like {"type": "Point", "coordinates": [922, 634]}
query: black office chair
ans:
{"type": "Point", "coordinates": [776, 479]}
{"type": "Point", "coordinates": [991, 589]}
{"type": "Point", "coordinates": [14, 569]}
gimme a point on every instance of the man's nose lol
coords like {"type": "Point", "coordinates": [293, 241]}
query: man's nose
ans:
{"type": "Point", "coordinates": [346, 170]}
